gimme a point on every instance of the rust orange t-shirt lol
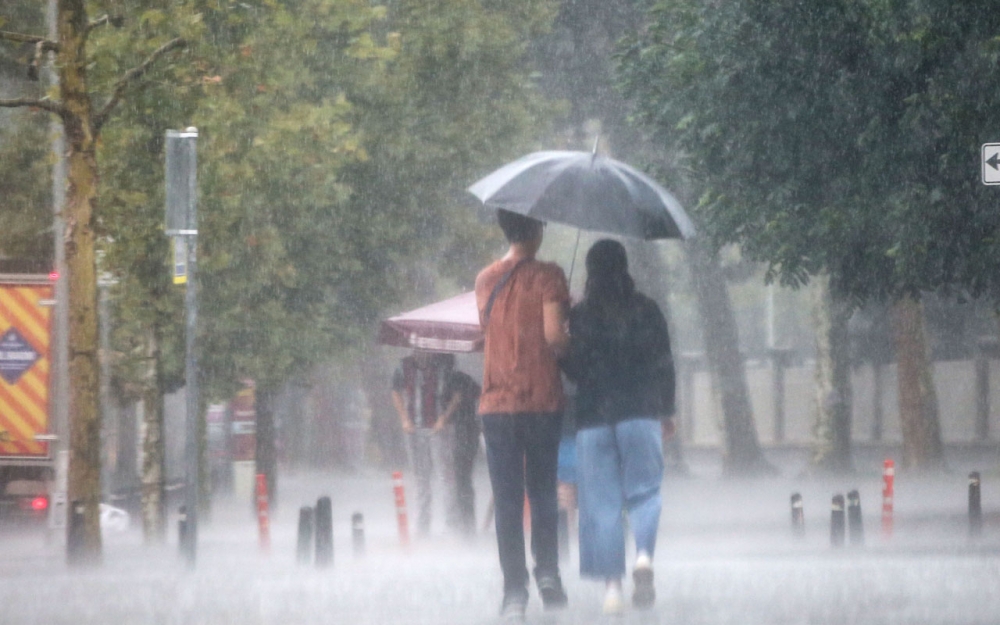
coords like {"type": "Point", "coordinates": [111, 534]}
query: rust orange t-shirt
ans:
{"type": "Point", "coordinates": [520, 372]}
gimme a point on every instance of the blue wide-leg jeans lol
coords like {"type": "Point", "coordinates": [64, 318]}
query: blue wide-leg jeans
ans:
{"type": "Point", "coordinates": [521, 452]}
{"type": "Point", "coordinates": [619, 468]}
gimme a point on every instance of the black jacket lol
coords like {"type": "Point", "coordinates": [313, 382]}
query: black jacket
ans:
{"type": "Point", "coordinates": [622, 366]}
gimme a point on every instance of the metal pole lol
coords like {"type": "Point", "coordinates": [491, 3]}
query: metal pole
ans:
{"type": "Point", "coordinates": [191, 455]}
{"type": "Point", "coordinates": [191, 396]}
{"type": "Point", "coordinates": [59, 411]}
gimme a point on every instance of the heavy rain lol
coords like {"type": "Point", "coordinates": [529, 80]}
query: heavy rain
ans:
{"type": "Point", "coordinates": [275, 346]}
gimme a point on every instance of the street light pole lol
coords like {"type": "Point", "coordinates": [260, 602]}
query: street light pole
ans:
{"type": "Point", "coordinates": [182, 223]}
{"type": "Point", "coordinates": [59, 412]}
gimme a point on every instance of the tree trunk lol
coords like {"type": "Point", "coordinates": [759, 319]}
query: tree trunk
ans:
{"type": "Point", "coordinates": [831, 447]}
{"type": "Point", "coordinates": [918, 409]}
{"type": "Point", "coordinates": [85, 420]}
{"type": "Point", "coordinates": [742, 455]}
{"type": "Point", "coordinates": [153, 450]}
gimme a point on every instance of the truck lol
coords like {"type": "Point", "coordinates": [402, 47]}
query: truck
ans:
{"type": "Point", "coordinates": [27, 469]}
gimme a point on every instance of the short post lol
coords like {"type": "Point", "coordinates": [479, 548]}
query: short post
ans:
{"type": "Point", "coordinates": [975, 506]}
{"type": "Point", "coordinates": [263, 522]}
{"type": "Point", "coordinates": [888, 487]}
{"type": "Point", "coordinates": [75, 532]}
{"type": "Point", "coordinates": [397, 487]}
{"type": "Point", "coordinates": [324, 532]}
{"type": "Point", "coordinates": [358, 533]}
{"type": "Point", "coordinates": [837, 521]}
{"type": "Point", "coordinates": [182, 518]}
{"type": "Point", "coordinates": [563, 531]}
{"type": "Point", "coordinates": [798, 516]}
{"type": "Point", "coordinates": [304, 544]}
{"type": "Point", "coordinates": [855, 524]}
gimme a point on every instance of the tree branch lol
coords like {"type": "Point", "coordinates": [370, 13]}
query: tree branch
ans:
{"type": "Point", "coordinates": [131, 76]}
{"type": "Point", "coordinates": [46, 105]}
{"type": "Point", "coordinates": [19, 38]}
{"type": "Point", "coordinates": [101, 21]}
{"type": "Point", "coordinates": [41, 47]}
{"type": "Point", "coordinates": [114, 20]}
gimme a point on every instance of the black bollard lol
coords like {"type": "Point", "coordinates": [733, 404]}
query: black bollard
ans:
{"type": "Point", "coordinates": [837, 521]}
{"type": "Point", "coordinates": [324, 532]}
{"type": "Point", "coordinates": [358, 533]}
{"type": "Point", "coordinates": [563, 532]}
{"type": "Point", "coordinates": [975, 506]}
{"type": "Point", "coordinates": [855, 524]}
{"type": "Point", "coordinates": [75, 533]}
{"type": "Point", "coordinates": [182, 525]}
{"type": "Point", "coordinates": [305, 541]}
{"type": "Point", "coordinates": [798, 516]}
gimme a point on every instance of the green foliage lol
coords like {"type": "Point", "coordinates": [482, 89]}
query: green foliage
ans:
{"type": "Point", "coordinates": [335, 142]}
{"type": "Point", "coordinates": [336, 138]}
{"type": "Point", "coordinates": [25, 206]}
{"type": "Point", "coordinates": [456, 101]}
{"type": "Point", "coordinates": [837, 135]}
{"type": "Point", "coordinates": [25, 185]}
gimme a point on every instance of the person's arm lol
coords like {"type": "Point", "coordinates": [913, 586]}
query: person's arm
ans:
{"type": "Point", "coordinates": [442, 420]}
{"type": "Point", "coordinates": [554, 326]}
{"type": "Point", "coordinates": [404, 416]}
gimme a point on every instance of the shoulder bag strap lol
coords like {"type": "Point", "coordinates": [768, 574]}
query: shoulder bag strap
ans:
{"type": "Point", "coordinates": [496, 290]}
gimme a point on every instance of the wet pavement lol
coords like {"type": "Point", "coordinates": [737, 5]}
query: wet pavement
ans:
{"type": "Point", "coordinates": [727, 554]}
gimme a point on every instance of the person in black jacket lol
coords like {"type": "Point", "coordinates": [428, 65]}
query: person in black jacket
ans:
{"type": "Point", "coordinates": [620, 359]}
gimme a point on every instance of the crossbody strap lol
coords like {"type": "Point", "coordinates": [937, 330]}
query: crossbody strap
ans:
{"type": "Point", "coordinates": [496, 290]}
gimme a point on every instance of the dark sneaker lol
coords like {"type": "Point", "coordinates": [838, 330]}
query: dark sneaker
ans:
{"type": "Point", "coordinates": [551, 589]}
{"type": "Point", "coordinates": [514, 604]}
{"type": "Point", "coordinates": [644, 594]}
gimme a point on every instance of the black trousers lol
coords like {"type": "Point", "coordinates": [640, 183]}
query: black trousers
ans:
{"type": "Point", "coordinates": [522, 451]}
{"type": "Point", "coordinates": [466, 447]}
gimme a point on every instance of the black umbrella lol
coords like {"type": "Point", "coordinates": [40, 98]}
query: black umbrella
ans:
{"type": "Point", "coordinates": [588, 191]}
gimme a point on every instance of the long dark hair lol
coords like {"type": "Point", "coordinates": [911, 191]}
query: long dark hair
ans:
{"type": "Point", "coordinates": [609, 287]}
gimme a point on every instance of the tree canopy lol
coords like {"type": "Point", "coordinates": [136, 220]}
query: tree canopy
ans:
{"type": "Point", "coordinates": [838, 135]}
{"type": "Point", "coordinates": [336, 138]}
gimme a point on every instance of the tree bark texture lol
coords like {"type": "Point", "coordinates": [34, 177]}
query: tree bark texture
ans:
{"type": "Point", "coordinates": [742, 455]}
{"type": "Point", "coordinates": [82, 178]}
{"type": "Point", "coordinates": [831, 446]}
{"type": "Point", "coordinates": [918, 408]}
{"type": "Point", "coordinates": [153, 451]}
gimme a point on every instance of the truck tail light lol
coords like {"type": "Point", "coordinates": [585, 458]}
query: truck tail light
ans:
{"type": "Point", "coordinates": [35, 504]}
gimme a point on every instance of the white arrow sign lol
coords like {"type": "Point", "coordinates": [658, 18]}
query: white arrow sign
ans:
{"type": "Point", "coordinates": [991, 163]}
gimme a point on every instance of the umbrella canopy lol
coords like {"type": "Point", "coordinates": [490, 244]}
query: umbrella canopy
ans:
{"type": "Point", "coordinates": [451, 325]}
{"type": "Point", "coordinates": [588, 191]}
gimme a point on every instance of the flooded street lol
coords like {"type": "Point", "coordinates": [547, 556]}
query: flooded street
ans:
{"type": "Point", "coordinates": [726, 555]}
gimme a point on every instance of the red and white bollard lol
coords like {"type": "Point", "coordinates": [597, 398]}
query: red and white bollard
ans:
{"type": "Point", "coordinates": [404, 527]}
{"type": "Point", "coordinates": [888, 486]}
{"type": "Point", "coordinates": [262, 515]}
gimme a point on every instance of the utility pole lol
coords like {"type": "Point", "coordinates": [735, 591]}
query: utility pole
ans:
{"type": "Point", "coordinates": [182, 225]}
{"type": "Point", "coordinates": [59, 412]}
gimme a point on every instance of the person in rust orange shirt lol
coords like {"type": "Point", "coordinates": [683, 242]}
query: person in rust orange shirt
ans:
{"type": "Point", "coordinates": [522, 305]}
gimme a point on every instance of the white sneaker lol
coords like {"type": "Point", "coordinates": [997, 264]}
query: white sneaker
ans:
{"type": "Point", "coordinates": [644, 594]}
{"type": "Point", "coordinates": [614, 603]}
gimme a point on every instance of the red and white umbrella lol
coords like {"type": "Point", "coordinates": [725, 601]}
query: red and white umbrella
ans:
{"type": "Point", "coordinates": [451, 325]}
